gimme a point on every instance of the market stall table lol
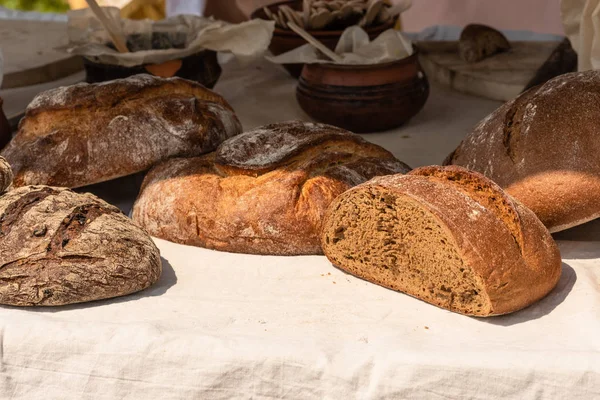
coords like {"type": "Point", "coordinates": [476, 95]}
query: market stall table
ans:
{"type": "Point", "coordinates": [221, 325]}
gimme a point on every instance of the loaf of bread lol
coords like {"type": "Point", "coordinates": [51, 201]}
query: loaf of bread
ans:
{"type": "Point", "coordinates": [58, 247]}
{"type": "Point", "coordinates": [542, 148]}
{"type": "Point", "coordinates": [262, 192]}
{"type": "Point", "coordinates": [83, 134]}
{"type": "Point", "coordinates": [478, 42]}
{"type": "Point", "coordinates": [448, 236]}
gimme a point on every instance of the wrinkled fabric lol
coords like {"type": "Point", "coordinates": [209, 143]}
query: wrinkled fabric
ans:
{"type": "Point", "coordinates": [88, 38]}
{"type": "Point", "coordinates": [581, 20]}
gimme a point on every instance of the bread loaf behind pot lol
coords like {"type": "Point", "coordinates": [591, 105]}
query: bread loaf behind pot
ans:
{"type": "Point", "coordinates": [447, 236]}
{"type": "Point", "coordinates": [88, 133]}
{"type": "Point", "coordinates": [478, 42]}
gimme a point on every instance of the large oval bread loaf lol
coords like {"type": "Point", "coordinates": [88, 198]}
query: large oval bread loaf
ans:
{"type": "Point", "coordinates": [58, 247]}
{"type": "Point", "coordinates": [542, 148]}
{"type": "Point", "coordinates": [263, 192]}
{"type": "Point", "coordinates": [448, 236]}
{"type": "Point", "coordinates": [88, 133]}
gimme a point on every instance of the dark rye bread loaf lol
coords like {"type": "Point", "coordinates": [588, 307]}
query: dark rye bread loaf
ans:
{"type": "Point", "coordinates": [478, 42]}
{"type": "Point", "coordinates": [83, 134]}
{"type": "Point", "coordinates": [448, 236]}
{"type": "Point", "coordinates": [262, 192]}
{"type": "Point", "coordinates": [542, 148]}
{"type": "Point", "coordinates": [58, 247]}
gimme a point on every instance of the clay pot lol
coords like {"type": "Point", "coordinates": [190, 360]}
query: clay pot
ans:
{"type": "Point", "coordinates": [285, 40]}
{"type": "Point", "coordinates": [364, 98]}
{"type": "Point", "coordinates": [202, 67]}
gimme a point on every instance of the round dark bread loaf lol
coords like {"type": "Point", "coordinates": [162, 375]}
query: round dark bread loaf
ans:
{"type": "Point", "coordinates": [478, 42]}
{"type": "Point", "coordinates": [58, 247]}
{"type": "Point", "coordinates": [88, 133]}
{"type": "Point", "coordinates": [448, 236]}
{"type": "Point", "coordinates": [542, 148]}
{"type": "Point", "coordinates": [262, 192]}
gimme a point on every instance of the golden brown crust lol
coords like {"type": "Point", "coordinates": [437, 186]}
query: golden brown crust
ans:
{"type": "Point", "coordinates": [542, 149]}
{"type": "Point", "coordinates": [58, 247]}
{"type": "Point", "coordinates": [513, 274]}
{"type": "Point", "coordinates": [266, 199]}
{"type": "Point", "coordinates": [84, 134]}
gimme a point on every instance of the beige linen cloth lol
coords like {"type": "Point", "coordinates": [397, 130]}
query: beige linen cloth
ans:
{"type": "Point", "coordinates": [87, 37]}
{"type": "Point", "coordinates": [581, 20]}
{"type": "Point", "coordinates": [354, 47]}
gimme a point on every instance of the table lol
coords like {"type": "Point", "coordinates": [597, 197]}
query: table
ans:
{"type": "Point", "coordinates": [220, 325]}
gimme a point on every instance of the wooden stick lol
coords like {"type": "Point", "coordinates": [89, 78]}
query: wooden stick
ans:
{"type": "Point", "coordinates": [399, 7]}
{"type": "Point", "coordinates": [314, 42]}
{"type": "Point", "coordinates": [116, 38]}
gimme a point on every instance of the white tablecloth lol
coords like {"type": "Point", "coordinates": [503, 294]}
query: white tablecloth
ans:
{"type": "Point", "coordinates": [220, 325]}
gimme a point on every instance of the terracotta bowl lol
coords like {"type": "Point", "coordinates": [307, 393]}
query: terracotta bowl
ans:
{"type": "Point", "coordinates": [202, 67]}
{"type": "Point", "coordinates": [363, 98]}
{"type": "Point", "coordinates": [285, 40]}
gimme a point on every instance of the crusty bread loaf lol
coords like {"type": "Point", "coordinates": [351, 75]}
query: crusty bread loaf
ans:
{"type": "Point", "coordinates": [448, 236]}
{"type": "Point", "coordinates": [542, 148]}
{"type": "Point", "coordinates": [83, 134]}
{"type": "Point", "coordinates": [58, 247]}
{"type": "Point", "coordinates": [478, 42]}
{"type": "Point", "coordinates": [261, 192]}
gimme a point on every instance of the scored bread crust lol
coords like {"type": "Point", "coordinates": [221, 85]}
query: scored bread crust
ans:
{"type": "Point", "coordinates": [510, 252]}
{"type": "Point", "coordinates": [88, 133]}
{"type": "Point", "coordinates": [542, 149]}
{"type": "Point", "coordinates": [262, 192]}
{"type": "Point", "coordinates": [58, 247]}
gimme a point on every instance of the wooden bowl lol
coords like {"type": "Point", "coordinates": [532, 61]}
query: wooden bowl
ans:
{"type": "Point", "coordinates": [202, 67]}
{"type": "Point", "coordinates": [285, 40]}
{"type": "Point", "coordinates": [363, 98]}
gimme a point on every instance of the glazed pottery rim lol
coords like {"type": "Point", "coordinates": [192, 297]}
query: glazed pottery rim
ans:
{"type": "Point", "coordinates": [319, 33]}
{"type": "Point", "coordinates": [406, 60]}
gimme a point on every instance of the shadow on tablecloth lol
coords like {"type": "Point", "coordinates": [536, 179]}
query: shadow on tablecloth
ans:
{"type": "Point", "coordinates": [588, 232]}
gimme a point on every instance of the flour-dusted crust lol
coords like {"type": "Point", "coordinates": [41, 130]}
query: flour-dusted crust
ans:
{"type": "Point", "coordinates": [88, 133]}
{"type": "Point", "coordinates": [270, 145]}
{"type": "Point", "coordinates": [542, 148]}
{"type": "Point", "coordinates": [448, 236]}
{"type": "Point", "coordinates": [262, 192]}
{"type": "Point", "coordinates": [58, 247]}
